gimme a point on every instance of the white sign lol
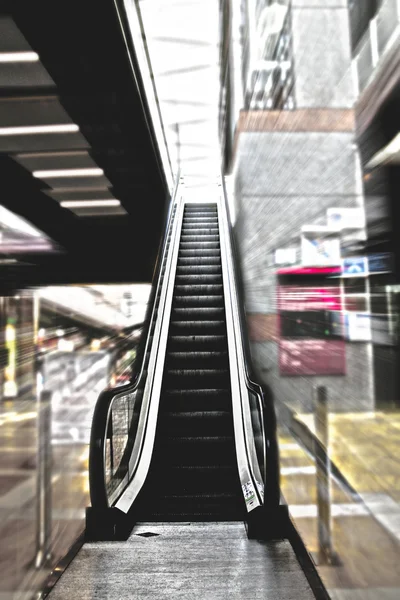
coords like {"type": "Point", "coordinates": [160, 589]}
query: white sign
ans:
{"type": "Point", "coordinates": [345, 218]}
{"type": "Point", "coordinates": [285, 256]}
{"type": "Point", "coordinates": [358, 327]}
{"type": "Point", "coordinates": [319, 250]}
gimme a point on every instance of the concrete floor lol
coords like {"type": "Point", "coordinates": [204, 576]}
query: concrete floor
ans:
{"type": "Point", "coordinates": [208, 561]}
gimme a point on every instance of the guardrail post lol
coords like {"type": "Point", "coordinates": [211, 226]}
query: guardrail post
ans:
{"type": "Point", "coordinates": [326, 554]}
{"type": "Point", "coordinates": [43, 480]}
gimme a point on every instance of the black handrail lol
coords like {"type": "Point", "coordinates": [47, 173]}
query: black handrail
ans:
{"type": "Point", "coordinates": [98, 437]}
{"type": "Point", "coordinates": [271, 474]}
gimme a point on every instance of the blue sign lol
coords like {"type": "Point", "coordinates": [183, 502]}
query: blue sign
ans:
{"type": "Point", "coordinates": [380, 262]}
{"type": "Point", "coordinates": [356, 265]}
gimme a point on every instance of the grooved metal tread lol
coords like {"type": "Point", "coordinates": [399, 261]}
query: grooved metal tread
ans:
{"type": "Point", "coordinates": [193, 472]}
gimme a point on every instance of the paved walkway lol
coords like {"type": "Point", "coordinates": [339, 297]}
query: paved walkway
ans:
{"type": "Point", "coordinates": [205, 561]}
{"type": "Point", "coordinates": [365, 528]}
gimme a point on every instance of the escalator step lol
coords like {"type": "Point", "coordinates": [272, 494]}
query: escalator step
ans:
{"type": "Point", "coordinates": [199, 269]}
{"type": "Point", "coordinates": [198, 313]}
{"type": "Point", "coordinates": [212, 278]}
{"type": "Point", "coordinates": [207, 289]}
{"type": "Point", "coordinates": [189, 378]}
{"type": "Point", "coordinates": [199, 360]}
{"type": "Point", "coordinates": [200, 210]}
{"type": "Point", "coordinates": [200, 301]}
{"type": "Point", "coordinates": [192, 245]}
{"type": "Point", "coordinates": [200, 229]}
{"type": "Point", "coordinates": [197, 342]}
{"type": "Point", "coordinates": [199, 252]}
{"type": "Point", "coordinates": [192, 423]}
{"type": "Point", "coordinates": [191, 261]}
{"type": "Point", "coordinates": [197, 451]}
{"type": "Point", "coordinates": [197, 399]}
{"type": "Point", "coordinates": [199, 238]}
{"type": "Point", "coordinates": [197, 327]}
{"type": "Point", "coordinates": [192, 479]}
{"type": "Point", "coordinates": [195, 223]}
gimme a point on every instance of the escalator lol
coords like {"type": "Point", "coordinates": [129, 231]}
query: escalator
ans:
{"type": "Point", "coordinates": [186, 453]}
{"type": "Point", "coordinates": [192, 437]}
{"type": "Point", "coordinates": [193, 475]}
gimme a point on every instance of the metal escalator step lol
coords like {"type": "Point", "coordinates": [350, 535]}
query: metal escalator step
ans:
{"type": "Point", "coordinates": [198, 360]}
{"type": "Point", "coordinates": [198, 260]}
{"type": "Point", "coordinates": [197, 342]}
{"type": "Point", "coordinates": [189, 479]}
{"type": "Point", "coordinates": [199, 269]}
{"type": "Point", "coordinates": [192, 378]}
{"type": "Point", "coordinates": [197, 327]}
{"type": "Point", "coordinates": [200, 229]}
{"type": "Point", "coordinates": [162, 516]}
{"type": "Point", "coordinates": [200, 238]}
{"type": "Point", "coordinates": [197, 451]}
{"type": "Point", "coordinates": [194, 216]}
{"type": "Point", "coordinates": [197, 399]}
{"type": "Point", "coordinates": [193, 213]}
{"type": "Point", "coordinates": [196, 422]}
{"type": "Point", "coordinates": [199, 252]}
{"type": "Point", "coordinates": [206, 289]}
{"type": "Point", "coordinates": [196, 245]}
{"type": "Point", "coordinates": [212, 278]}
{"type": "Point", "coordinates": [200, 209]}
{"type": "Point", "coordinates": [200, 301]}
{"type": "Point", "coordinates": [212, 506]}
{"type": "Point", "coordinates": [197, 313]}
{"type": "Point", "coordinates": [202, 223]}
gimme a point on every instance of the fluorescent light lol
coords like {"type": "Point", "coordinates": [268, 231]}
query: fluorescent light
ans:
{"type": "Point", "coordinates": [89, 203]}
{"type": "Point", "coordinates": [68, 173]}
{"type": "Point", "coordinates": [33, 129]}
{"type": "Point", "coordinates": [11, 57]}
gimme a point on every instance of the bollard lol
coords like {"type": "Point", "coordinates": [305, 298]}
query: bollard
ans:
{"type": "Point", "coordinates": [43, 481]}
{"type": "Point", "coordinates": [326, 554]}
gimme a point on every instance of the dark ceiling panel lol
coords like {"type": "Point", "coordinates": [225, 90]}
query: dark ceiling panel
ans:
{"type": "Point", "coordinates": [81, 47]}
{"type": "Point", "coordinates": [11, 39]}
{"type": "Point", "coordinates": [24, 75]}
{"type": "Point", "coordinates": [73, 182]}
{"type": "Point", "coordinates": [22, 112]}
{"type": "Point", "coordinates": [80, 194]}
{"type": "Point", "coordinates": [35, 161]}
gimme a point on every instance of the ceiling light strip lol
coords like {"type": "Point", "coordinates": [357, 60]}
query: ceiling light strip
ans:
{"type": "Point", "coordinates": [89, 203]}
{"type": "Point", "coordinates": [93, 172]}
{"type": "Point", "coordinates": [36, 129]}
{"type": "Point", "coordinates": [17, 57]}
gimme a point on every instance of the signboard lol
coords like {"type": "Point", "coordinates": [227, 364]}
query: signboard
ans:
{"type": "Point", "coordinates": [311, 330]}
{"type": "Point", "coordinates": [306, 298]}
{"type": "Point", "coordinates": [346, 218]}
{"type": "Point", "coordinates": [285, 256]}
{"type": "Point", "coordinates": [312, 357]}
{"type": "Point", "coordinates": [320, 249]}
{"type": "Point", "coordinates": [355, 266]}
{"type": "Point", "coordinates": [380, 262]}
{"type": "Point", "coordinates": [358, 327]}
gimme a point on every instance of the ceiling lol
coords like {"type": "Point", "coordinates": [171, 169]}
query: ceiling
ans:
{"type": "Point", "coordinates": [184, 44]}
{"type": "Point", "coordinates": [79, 157]}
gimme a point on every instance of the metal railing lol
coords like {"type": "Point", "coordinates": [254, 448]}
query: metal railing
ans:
{"type": "Point", "coordinates": [117, 412]}
{"type": "Point", "coordinates": [260, 421]}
